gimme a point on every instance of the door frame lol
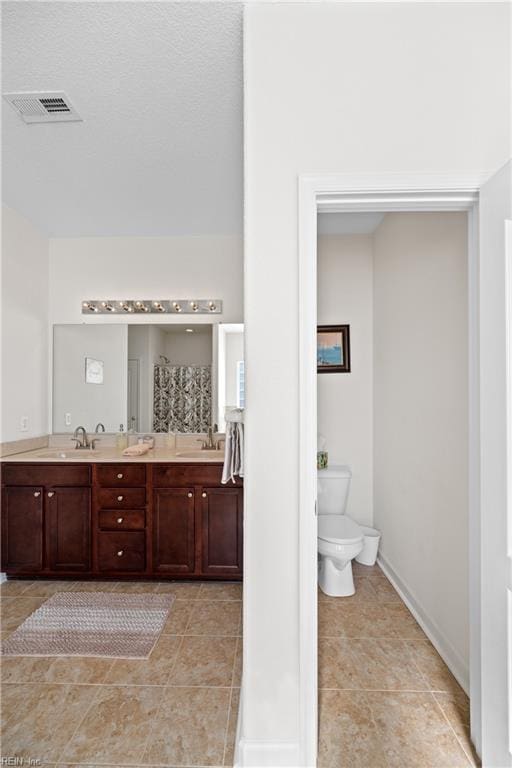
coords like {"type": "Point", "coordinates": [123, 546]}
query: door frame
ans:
{"type": "Point", "coordinates": [385, 193]}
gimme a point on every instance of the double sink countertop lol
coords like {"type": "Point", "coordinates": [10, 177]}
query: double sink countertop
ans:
{"type": "Point", "coordinates": [58, 452]}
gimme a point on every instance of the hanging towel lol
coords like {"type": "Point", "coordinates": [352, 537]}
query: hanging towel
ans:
{"type": "Point", "coordinates": [234, 449]}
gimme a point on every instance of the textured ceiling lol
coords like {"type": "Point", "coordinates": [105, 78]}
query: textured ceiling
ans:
{"type": "Point", "coordinates": [159, 86]}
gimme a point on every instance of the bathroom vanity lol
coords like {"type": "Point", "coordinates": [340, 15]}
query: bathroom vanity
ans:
{"type": "Point", "coordinates": [120, 519]}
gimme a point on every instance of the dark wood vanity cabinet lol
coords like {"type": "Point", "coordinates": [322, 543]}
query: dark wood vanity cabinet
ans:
{"type": "Point", "coordinates": [46, 519]}
{"type": "Point", "coordinates": [121, 521]}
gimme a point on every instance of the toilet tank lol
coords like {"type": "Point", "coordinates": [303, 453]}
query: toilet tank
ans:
{"type": "Point", "coordinates": [332, 493]}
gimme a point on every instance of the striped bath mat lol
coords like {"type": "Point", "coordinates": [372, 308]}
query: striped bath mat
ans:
{"type": "Point", "coordinates": [92, 624]}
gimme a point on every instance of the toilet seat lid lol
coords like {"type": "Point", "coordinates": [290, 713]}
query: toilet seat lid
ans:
{"type": "Point", "coordinates": [339, 529]}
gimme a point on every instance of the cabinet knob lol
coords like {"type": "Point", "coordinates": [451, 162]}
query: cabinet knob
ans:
{"type": "Point", "coordinates": [119, 498]}
{"type": "Point", "coordinates": [50, 494]}
{"type": "Point", "coordinates": [37, 493]}
{"type": "Point", "coordinates": [120, 519]}
{"type": "Point", "coordinates": [120, 553]}
{"type": "Point", "coordinates": [119, 475]}
{"type": "Point", "coordinates": [204, 495]}
{"type": "Point", "coordinates": [190, 495]}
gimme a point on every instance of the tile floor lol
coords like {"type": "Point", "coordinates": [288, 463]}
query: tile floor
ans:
{"type": "Point", "coordinates": [177, 708]}
{"type": "Point", "coordinates": [386, 698]}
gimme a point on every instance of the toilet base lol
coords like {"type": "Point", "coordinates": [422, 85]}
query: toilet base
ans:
{"type": "Point", "coordinates": [335, 578]}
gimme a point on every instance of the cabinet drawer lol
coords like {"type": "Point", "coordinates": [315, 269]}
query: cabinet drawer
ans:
{"type": "Point", "coordinates": [129, 520]}
{"type": "Point", "coordinates": [120, 551]}
{"type": "Point", "coordinates": [184, 475]}
{"type": "Point", "coordinates": [46, 474]}
{"type": "Point", "coordinates": [115, 475]}
{"type": "Point", "coordinates": [121, 498]}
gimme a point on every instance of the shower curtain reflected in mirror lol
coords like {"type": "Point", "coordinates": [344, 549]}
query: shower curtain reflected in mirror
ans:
{"type": "Point", "coordinates": [182, 398]}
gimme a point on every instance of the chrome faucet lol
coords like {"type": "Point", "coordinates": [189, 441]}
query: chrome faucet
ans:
{"type": "Point", "coordinates": [99, 427]}
{"type": "Point", "coordinates": [210, 444]}
{"type": "Point", "coordinates": [82, 442]}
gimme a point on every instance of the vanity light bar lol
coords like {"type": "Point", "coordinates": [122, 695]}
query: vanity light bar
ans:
{"type": "Point", "coordinates": [152, 306]}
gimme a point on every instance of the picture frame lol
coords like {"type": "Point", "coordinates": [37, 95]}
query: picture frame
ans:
{"type": "Point", "coordinates": [333, 348]}
{"type": "Point", "coordinates": [93, 371]}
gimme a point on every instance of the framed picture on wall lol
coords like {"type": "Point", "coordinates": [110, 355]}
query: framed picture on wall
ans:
{"type": "Point", "coordinates": [333, 348]}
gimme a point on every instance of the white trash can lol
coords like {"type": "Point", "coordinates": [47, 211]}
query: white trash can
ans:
{"type": "Point", "coordinates": [368, 554]}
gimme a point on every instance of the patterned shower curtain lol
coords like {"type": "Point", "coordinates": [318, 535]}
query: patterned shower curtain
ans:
{"type": "Point", "coordinates": [182, 399]}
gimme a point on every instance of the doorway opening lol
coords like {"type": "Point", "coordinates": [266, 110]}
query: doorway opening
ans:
{"type": "Point", "coordinates": [392, 396]}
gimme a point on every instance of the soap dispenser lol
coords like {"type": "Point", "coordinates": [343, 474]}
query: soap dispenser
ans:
{"type": "Point", "coordinates": [121, 439]}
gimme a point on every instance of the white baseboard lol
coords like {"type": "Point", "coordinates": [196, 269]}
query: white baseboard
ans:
{"type": "Point", "coordinates": [443, 646]}
{"type": "Point", "coordinates": [3, 577]}
{"type": "Point", "coordinates": [263, 754]}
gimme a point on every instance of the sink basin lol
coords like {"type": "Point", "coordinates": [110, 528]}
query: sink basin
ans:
{"type": "Point", "coordinates": [199, 454]}
{"type": "Point", "coordinates": [64, 454]}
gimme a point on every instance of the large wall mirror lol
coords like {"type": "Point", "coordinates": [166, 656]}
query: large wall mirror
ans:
{"type": "Point", "coordinates": [149, 378]}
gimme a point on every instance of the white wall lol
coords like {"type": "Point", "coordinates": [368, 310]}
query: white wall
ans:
{"type": "Point", "coordinates": [145, 267]}
{"type": "Point", "coordinates": [189, 348]}
{"type": "Point", "coordinates": [24, 328]}
{"type": "Point", "coordinates": [333, 88]}
{"type": "Point", "coordinates": [87, 403]}
{"type": "Point", "coordinates": [345, 400]}
{"type": "Point", "coordinates": [421, 413]}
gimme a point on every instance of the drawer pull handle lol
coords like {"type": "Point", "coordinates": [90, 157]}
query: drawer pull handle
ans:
{"type": "Point", "coordinates": [120, 553]}
{"type": "Point", "coordinates": [119, 498]}
{"type": "Point", "coordinates": [119, 475]}
{"type": "Point", "coordinates": [204, 495]}
{"type": "Point", "coordinates": [37, 493]}
{"type": "Point", "coordinates": [190, 495]}
{"type": "Point", "coordinates": [50, 494]}
{"type": "Point", "coordinates": [120, 519]}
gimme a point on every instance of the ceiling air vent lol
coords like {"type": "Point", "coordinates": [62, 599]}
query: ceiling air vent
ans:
{"type": "Point", "coordinates": [51, 107]}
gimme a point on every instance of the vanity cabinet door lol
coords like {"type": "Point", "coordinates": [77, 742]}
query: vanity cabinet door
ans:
{"type": "Point", "coordinates": [222, 517]}
{"type": "Point", "coordinates": [22, 529]}
{"type": "Point", "coordinates": [173, 530]}
{"type": "Point", "coordinates": [68, 528]}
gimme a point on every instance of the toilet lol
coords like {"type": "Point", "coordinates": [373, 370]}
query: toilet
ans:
{"type": "Point", "coordinates": [340, 539]}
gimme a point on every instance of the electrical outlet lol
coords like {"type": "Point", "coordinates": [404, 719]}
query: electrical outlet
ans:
{"type": "Point", "coordinates": [24, 424]}
{"type": "Point", "coordinates": [67, 419]}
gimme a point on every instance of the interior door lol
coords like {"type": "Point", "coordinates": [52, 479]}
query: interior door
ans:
{"type": "Point", "coordinates": [495, 474]}
{"type": "Point", "coordinates": [133, 394]}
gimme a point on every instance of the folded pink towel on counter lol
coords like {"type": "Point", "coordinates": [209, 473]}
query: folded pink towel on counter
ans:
{"type": "Point", "coordinates": [136, 450]}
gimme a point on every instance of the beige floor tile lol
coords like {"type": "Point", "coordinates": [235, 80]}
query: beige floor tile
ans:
{"type": "Point", "coordinates": [179, 617]}
{"type": "Point", "coordinates": [365, 591]}
{"type": "Point", "coordinates": [404, 623]}
{"type": "Point", "coordinates": [78, 669]}
{"type": "Point", "coordinates": [376, 664]}
{"type": "Point", "coordinates": [24, 669]}
{"type": "Point", "coordinates": [136, 587]}
{"type": "Point", "coordinates": [204, 661]}
{"type": "Point", "coordinates": [220, 618]}
{"type": "Point", "coordinates": [94, 586]}
{"type": "Point", "coordinates": [413, 731]}
{"type": "Point", "coordinates": [386, 593]}
{"type": "Point", "coordinates": [116, 726]}
{"type": "Point", "coordinates": [184, 590]}
{"type": "Point", "coordinates": [47, 588]}
{"type": "Point", "coordinates": [220, 591]}
{"type": "Point", "coordinates": [154, 670]}
{"type": "Point", "coordinates": [368, 571]}
{"type": "Point", "coordinates": [43, 718]}
{"type": "Point", "coordinates": [237, 669]}
{"type": "Point", "coordinates": [229, 752]}
{"type": "Point", "coordinates": [431, 666]}
{"type": "Point", "coordinates": [14, 610]}
{"type": "Point", "coordinates": [455, 707]}
{"type": "Point", "coordinates": [354, 620]}
{"type": "Point", "coordinates": [190, 727]}
{"type": "Point", "coordinates": [13, 587]}
{"type": "Point", "coordinates": [347, 734]}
